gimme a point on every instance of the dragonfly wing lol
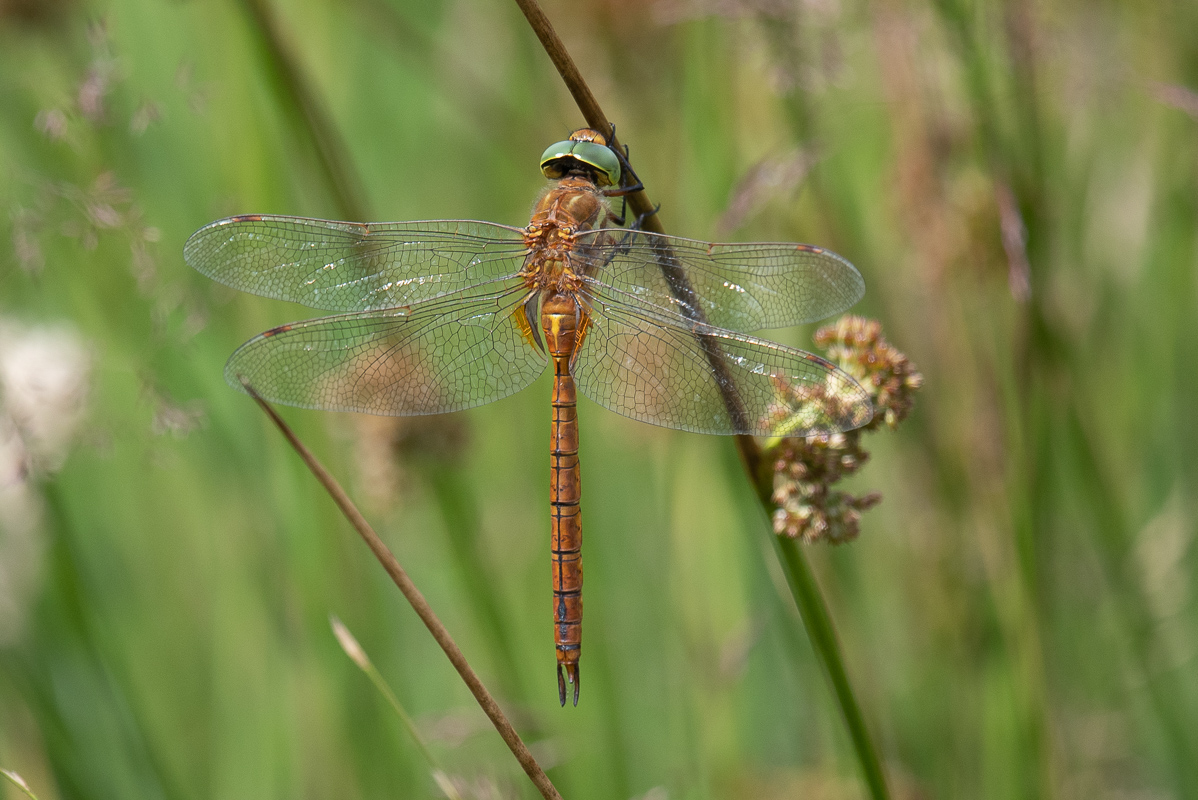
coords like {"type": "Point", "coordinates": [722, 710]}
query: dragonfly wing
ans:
{"type": "Point", "coordinates": [740, 287]}
{"type": "Point", "coordinates": [656, 370]}
{"type": "Point", "coordinates": [439, 356]}
{"type": "Point", "coordinates": [352, 266]}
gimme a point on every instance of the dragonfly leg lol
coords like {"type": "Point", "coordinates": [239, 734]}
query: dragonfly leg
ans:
{"type": "Point", "coordinates": [618, 219]}
{"type": "Point", "coordinates": [622, 190]}
{"type": "Point", "coordinates": [630, 183]}
{"type": "Point", "coordinates": [640, 218]}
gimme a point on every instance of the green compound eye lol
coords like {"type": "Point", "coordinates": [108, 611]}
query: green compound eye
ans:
{"type": "Point", "coordinates": [602, 159]}
{"type": "Point", "coordinates": [551, 154]}
{"type": "Point", "coordinates": [598, 157]}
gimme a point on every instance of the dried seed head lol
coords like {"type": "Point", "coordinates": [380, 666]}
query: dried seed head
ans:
{"type": "Point", "coordinates": [856, 344]}
{"type": "Point", "coordinates": [806, 469]}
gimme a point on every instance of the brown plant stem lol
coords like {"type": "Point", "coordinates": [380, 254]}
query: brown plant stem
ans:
{"type": "Point", "coordinates": [423, 610]}
{"type": "Point", "coordinates": [643, 208]}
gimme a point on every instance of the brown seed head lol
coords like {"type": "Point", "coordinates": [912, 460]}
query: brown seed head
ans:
{"type": "Point", "coordinates": [806, 469]}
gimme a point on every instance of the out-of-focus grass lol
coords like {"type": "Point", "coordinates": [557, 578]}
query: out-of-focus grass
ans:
{"type": "Point", "coordinates": [1018, 615]}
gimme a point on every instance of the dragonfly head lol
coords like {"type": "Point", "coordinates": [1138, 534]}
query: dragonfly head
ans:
{"type": "Point", "coordinates": [587, 151]}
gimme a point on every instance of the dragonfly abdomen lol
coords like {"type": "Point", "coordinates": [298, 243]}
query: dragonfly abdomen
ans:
{"type": "Point", "coordinates": [559, 321]}
{"type": "Point", "coordinates": [566, 542]}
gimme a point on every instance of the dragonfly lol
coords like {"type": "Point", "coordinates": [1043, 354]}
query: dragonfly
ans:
{"type": "Point", "coordinates": [444, 315]}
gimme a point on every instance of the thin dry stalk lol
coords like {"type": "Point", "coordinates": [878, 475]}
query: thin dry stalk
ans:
{"type": "Point", "coordinates": [357, 654]}
{"type": "Point", "coordinates": [419, 605]}
{"type": "Point", "coordinates": [644, 210]}
{"type": "Point", "coordinates": [19, 782]}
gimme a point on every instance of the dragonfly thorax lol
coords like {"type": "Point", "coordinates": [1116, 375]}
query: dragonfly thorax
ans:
{"type": "Point", "coordinates": [566, 208]}
{"type": "Point", "coordinates": [575, 202]}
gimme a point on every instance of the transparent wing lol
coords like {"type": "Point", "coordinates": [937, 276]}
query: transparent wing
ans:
{"type": "Point", "coordinates": [442, 355]}
{"type": "Point", "coordinates": [740, 287]}
{"type": "Point", "coordinates": [654, 369]}
{"type": "Point", "coordinates": [351, 266]}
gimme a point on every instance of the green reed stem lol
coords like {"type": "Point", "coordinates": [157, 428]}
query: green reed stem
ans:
{"type": "Point", "coordinates": [814, 610]}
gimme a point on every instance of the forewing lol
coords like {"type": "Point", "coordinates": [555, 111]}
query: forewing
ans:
{"type": "Point", "coordinates": [442, 355]}
{"type": "Point", "coordinates": [351, 266]}
{"type": "Point", "coordinates": [657, 370]}
{"type": "Point", "coordinates": [740, 287]}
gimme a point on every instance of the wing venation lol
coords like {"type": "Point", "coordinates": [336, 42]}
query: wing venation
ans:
{"type": "Point", "coordinates": [660, 370]}
{"type": "Point", "coordinates": [443, 355]}
{"type": "Point", "coordinates": [739, 287]}
{"type": "Point", "coordinates": [350, 266]}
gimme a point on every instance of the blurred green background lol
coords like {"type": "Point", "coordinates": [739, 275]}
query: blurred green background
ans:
{"type": "Point", "coordinates": [1017, 182]}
